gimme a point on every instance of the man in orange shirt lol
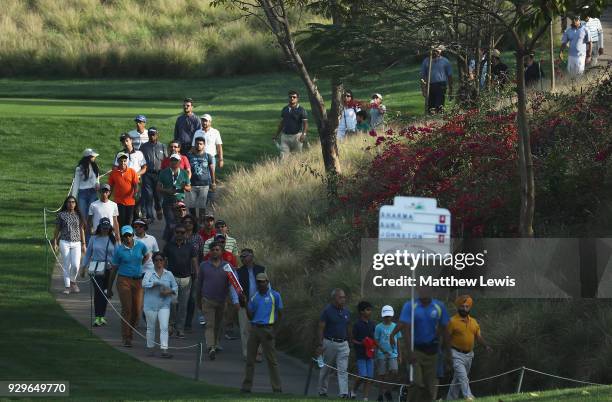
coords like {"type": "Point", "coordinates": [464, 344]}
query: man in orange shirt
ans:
{"type": "Point", "coordinates": [463, 331]}
{"type": "Point", "coordinates": [124, 182]}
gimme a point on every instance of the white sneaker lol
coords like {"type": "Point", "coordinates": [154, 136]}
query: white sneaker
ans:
{"type": "Point", "coordinates": [66, 291]}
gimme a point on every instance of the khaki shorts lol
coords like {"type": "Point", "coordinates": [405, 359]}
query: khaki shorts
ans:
{"type": "Point", "coordinates": [386, 365]}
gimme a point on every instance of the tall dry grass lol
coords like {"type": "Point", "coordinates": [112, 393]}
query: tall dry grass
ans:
{"type": "Point", "coordinates": [280, 210]}
{"type": "Point", "coordinates": [129, 38]}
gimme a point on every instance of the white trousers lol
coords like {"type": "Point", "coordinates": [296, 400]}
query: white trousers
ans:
{"type": "Point", "coordinates": [163, 315]}
{"type": "Point", "coordinates": [337, 355]}
{"type": "Point", "coordinates": [71, 260]}
{"type": "Point", "coordinates": [575, 65]}
{"type": "Point", "coordinates": [460, 385]}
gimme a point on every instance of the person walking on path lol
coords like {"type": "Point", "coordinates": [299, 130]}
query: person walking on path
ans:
{"type": "Point", "coordinates": [464, 331]}
{"type": "Point", "coordinates": [103, 207]}
{"type": "Point", "coordinates": [141, 235]}
{"type": "Point", "coordinates": [192, 237]}
{"type": "Point", "coordinates": [441, 79]}
{"type": "Point", "coordinates": [230, 243]}
{"type": "Point", "coordinates": [293, 126]}
{"type": "Point", "coordinates": [172, 184]}
{"type": "Point", "coordinates": [388, 357]}
{"type": "Point", "coordinates": [182, 262]}
{"type": "Point", "coordinates": [69, 238]}
{"type": "Point", "coordinates": [127, 263]}
{"type": "Point", "coordinates": [86, 184]}
{"type": "Point", "coordinates": [186, 125]}
{"type": "Point", "coordinates": [578, 40]}
{"type": "Point", "coordinates": [264, 311]}
{"type": "Point", "coordinates": [247, 274]}
{"type": "Point", "coordinates": [333, 345]}
{"type": "Point", "coordinates": [593, 25]}
{"type": "Point", "coordinates": [213, 144]}
{"type": "Point", "coordinates": [136, 159]}
{"type": "Point", "coordinates": [97, 261]}
{"type": "Point", "coordinates": [208, 230]}
{"type": "Point", "coordinates": [365, 347]}
{"type": "Point", "coordinates": [202, 178]}
{"type": "Point", "coordinates": [159, 287]}
{"type": "Point", "coordinates": [174, 147]}
{"type": "Point", "coordinates": [139, 135]}
{"type": "Point", "coordinates": [213, 289]}
{"type": "Point", "coordinates": [124, 183]}
{"type": "Point", "coordinates": [154, 152]}
{"type": "Point", "coordinates": [430, 322]}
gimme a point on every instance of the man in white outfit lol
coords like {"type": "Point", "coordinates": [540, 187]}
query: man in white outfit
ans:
{"type": "Point", "coordinates": [578, 40]}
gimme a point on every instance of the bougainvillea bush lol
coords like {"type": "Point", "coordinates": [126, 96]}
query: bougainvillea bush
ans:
{"type": "Point", "coordinates": [469, 162]}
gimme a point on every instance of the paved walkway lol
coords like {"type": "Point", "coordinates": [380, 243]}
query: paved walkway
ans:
{"type": "Point", "coordinates": [226, 370]}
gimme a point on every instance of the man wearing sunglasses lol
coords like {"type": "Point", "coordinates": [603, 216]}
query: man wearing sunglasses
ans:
{"type": "Point", "coordinates": [293, 126]}
{"type": "Point", "coordinates": [183, 263]}
{"type": "Point", "coordinates": [103, 207]}
{"type": "Point", "coordinates": [172, 184]}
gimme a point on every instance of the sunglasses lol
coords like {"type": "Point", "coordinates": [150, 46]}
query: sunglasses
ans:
{"type": "Point", "coordinates": [180, 232]}
{"type": "Point", "coordinates": [244, 255]}
{"type": "Point", "coordinates": [262, 281]}
{"type": "Point", "coordinates": [138, 226]}
{"type": "Point", "coordinates": [348, 96]}
{"type": "Point", "coordinates": [292, 96]}
{"type": "Point", "coordinates": [128, 235]}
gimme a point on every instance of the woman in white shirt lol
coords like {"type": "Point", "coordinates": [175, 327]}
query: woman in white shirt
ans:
{"type": "Point", "coordinates": [86, 182]}
{"type": "Point", "coordinates": [348, 116]}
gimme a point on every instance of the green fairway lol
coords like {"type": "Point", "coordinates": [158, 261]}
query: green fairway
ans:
{"type": "Point", "coordinates": [45, 125]}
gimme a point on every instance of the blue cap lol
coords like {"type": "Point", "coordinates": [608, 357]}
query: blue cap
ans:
{"type": "Point", "coordinates": [127, 229]}
{"type": "Point", "coordinates": [141, 118]}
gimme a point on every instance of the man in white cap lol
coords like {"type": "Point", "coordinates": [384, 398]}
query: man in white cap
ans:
{"type": "Point", "coordinates": [441, 79]}
{"type": "Point", "coordinates": [377, 112]}
{"type": "Point", "coordinates": [578, 39]}
{"type": "Point", "coordinates": [139, 135]}
{"type": "Point", "coordinates": [387, 356]}
{"type": "Point", "coordinates": [213, 145]}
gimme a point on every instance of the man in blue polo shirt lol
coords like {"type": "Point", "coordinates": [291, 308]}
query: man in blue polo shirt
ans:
{"type": "Point", "coordinates": [264, 311]}
{"type": "Point", "coordinates": [430, 321]}
{"type": "Point", "coordinates": [333, 343]}
{"type": "Point", "coordinates": [127, 264]}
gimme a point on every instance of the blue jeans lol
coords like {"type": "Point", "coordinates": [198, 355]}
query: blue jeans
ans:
{"type": "Point", "coordinates": [85, 198]}
{"type": "Point", "coordinates": [149, 196]}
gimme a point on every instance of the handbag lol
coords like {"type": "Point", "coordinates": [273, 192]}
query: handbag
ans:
{"type": "Point", "coordinates": [99, 267]}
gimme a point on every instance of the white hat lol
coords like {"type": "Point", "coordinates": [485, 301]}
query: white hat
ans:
{"type": "Point", "coordinates": [176, 156]}
{"type": "Point", "coordinates": [496, 53]}
{"type": "Point", "coordinates": [387, 311]}
{"type": "Point", "coordinates": [90, 152]}
{"type": "Point", "coordinates": [377, 95]}
{"type": "Point", "coordinates": [206, 117]}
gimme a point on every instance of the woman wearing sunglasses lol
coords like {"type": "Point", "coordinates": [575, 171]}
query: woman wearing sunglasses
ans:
{"type": "Point", "coordinates": [159, 288]}
{"type": "Point", "coordinates": [127, 264]}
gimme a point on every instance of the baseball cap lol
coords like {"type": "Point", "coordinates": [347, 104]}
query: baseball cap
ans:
{"type": "Point", "coordinates": [206, 116]}
{"type": "Point", "coordinates": [495, 53]}
{"type": "Point", "coordinates": [220, 222]}
{"type": "Point", "coordinates": [439, 48]}
{"type": "Point", "coordinates": [180, 204]}
{"type": "Point", "coordinates": [127, 229]}
{"type": "Point", "coordinates": [220, 236]}
{"type": "Point", "coordinates": [152, 130]}
{"type": "Point", "coordinates": [104, 223]}
{"type": "Point", "coordinates": [105, 187]}
{"type": "Point", "coordinates": [122, 155]}
{"type": "Point", "coordinates": [261, 277]}
{"type": "Point", "coordinates": [175, 156]}
{"type": "Point", "coordinates": [123, 136]}
{"type": "Point", "coordinates": [209, 216]}
{"type": "Point", "coordinates": [377, 95]}
{"type": "Point", "coordinates": [90, 152]}
{"type": "Point", "coordinates": [140, 222]}
{"type": "Point", "coordinates": [141, 118]}
{"type": "Point", "coordinates": [387, 311]}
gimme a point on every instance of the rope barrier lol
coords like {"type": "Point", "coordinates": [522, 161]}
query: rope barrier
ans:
{"type": "Point", "coordinates": [470, 382]}
{"type": "Point", "coordinates": [134, 329]}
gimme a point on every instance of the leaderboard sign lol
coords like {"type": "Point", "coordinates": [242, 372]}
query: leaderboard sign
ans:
{"type": "Point", "coordinates": [414, 223]}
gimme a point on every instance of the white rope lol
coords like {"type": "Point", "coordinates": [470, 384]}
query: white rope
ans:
{"type": "Point", "coordinates": [470, 382]}
{"type": "Point", "coordinates": [69, 192]}
{"type": "Point", "coordinates": [564, 378]}
{"type": "Point", "coordinates": [134, 329]}
{"type": "Point", "coordinates": [61, 265]}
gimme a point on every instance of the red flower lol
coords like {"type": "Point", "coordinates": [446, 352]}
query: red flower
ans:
{"type": "Point", "coordinates": [373, 133]}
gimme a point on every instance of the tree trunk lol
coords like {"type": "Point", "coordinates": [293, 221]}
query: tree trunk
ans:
{"type": "Point", "coordinates": [525, 156]}
{"type": "Point", "coordinates": [329, 144]}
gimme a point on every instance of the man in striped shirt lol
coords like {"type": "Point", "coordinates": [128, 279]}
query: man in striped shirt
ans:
{"type": "Point", "coordinates": [593, 25]}
{"type": "Point", "coordinates": [230, 243]}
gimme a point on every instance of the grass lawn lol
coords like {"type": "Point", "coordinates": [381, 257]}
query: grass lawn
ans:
{"type": "Point", "coordinates": [44, 126]}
